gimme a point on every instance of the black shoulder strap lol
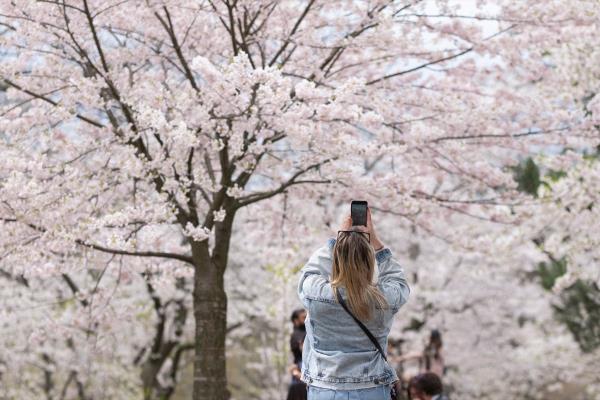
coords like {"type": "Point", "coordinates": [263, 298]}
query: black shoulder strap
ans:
{"type": "Point", "coordinates": [362, 326]}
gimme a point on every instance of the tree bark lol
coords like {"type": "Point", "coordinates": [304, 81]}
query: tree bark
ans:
{"type": "Point", "coordinates": [210, 313]}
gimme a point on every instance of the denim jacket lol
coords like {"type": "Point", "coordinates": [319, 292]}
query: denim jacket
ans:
{"type": "Point", "coordinates": [337, 354]}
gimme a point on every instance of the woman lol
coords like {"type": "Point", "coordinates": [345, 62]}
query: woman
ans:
{"type": "Point", "coordinates": [339, 360]}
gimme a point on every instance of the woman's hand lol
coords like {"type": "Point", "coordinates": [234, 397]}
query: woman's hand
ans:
{"type": "Point", "coordinates": [346, 223]}
{"type": "Point", "coordinates": [375, 242]}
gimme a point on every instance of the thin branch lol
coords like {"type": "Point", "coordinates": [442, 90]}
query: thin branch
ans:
{"type": "Point", "coordinates": [529, 132]}
{"type": "Point", "coordinates": [459, 16]}
{"type": "Point", "coordinates": [252, 198]}
{"type": "Point", "coordinates": [157, 254]}
{"type": "Point", "coordinates": [160, 314]}
{"type": "Point", "coordinates": [19, 279]}
{"type": "Point", "coordinates": [21, 103]}
{"type": "Point", "coordinates": [293, 31]}
{"type": "Point", "coordinates": [397, 213]}
{"type": "Point", "coordinates": [54, 103]}
{"type": "Point", "coordinates": [95, 36]}
{"type": "Point", "coordinates": [231, 29]}
{"type": "Point", "coordinates": [420, 66]}
{"type": "Point", "coordinates": [104, 249]}
{"type": "Point", "coordinates": [117, 4]}
{"type": "Point", "coordinates": [63, 392]}
{"type": "Point", "coordinates": [62, 4]}
{"type": "Point", "coordinates": [74, 288]}
{"type": "Point", "coordinates": [168, 25]}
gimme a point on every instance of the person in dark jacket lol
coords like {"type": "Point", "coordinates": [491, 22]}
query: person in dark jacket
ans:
{"type": "Point", "coordinates": [297, 389]}
{"type": "Point", "coordinates": [298, 317]}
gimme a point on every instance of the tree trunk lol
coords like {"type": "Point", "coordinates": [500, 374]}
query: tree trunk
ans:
{"type": "Point", "coordinates": [210, 313]}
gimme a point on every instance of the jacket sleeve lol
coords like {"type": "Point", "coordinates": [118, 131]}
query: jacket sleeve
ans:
{"type": "Point", "coordinates": [392, 281]}
{"type": "Point", "coordinates": [314, 276]}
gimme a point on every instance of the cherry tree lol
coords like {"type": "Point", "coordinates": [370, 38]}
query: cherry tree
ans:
{"type": "Point", "coordinates": [143, 130]}
{"type": "Point", "coordinates": [100, 328]}
{"type": "Point", "coordinates": [495, 317]}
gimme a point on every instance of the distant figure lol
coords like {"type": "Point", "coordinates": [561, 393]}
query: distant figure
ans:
{"type": "Point", "coordinates": [431, 359]}
{"type": "Point", "coordinates": [297, 389]}
{"type": "Point", "coordinates": [413, 390]}
{"type": "Point", "coordinates": [394, 354]}
{"type": "Point", "coordinates": [298, 334]}
{"type": "Point", "coordinates": [426, 386]}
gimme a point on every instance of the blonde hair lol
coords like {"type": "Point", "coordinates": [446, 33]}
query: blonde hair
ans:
{"type": "Point", "coordinates": [353, 268]}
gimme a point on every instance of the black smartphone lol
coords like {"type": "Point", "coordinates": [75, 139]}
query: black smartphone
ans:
{"type": "Point", "coordinates": [358, 212]}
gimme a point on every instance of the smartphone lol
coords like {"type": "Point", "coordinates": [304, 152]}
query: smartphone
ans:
{"type": "Point", "coordinates": [358, 212]}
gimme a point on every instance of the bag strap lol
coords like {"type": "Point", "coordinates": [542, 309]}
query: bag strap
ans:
{"type": "Point", "coordinates": [362, 326]}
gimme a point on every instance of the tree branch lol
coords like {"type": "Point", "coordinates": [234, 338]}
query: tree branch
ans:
{"type": "Point", "coordinates": [456, 55]}
{"type": "Point", "coordinates": [157, 254]}
{"type": "Point", "coordinates": [160, 314]}
{"type": "Point", "coordinates": [54, 103]}
{"type": "Point", "coordinates": [19, 279]}
{"type": "Point", "coordinates": [103, 249]}
{"type": "Point", "coordinates": [168, 25]}
{"type": "Point", "coordinates": [95, 35]}
{"type": "Point", "coordinates": [234, 42]}
{"type": "Point", "coordinates": [252, 198]}
{"type": "Point", "coordinates": [74, 288]}
{"type": "Point", "coordinates": [529, 132]}
{"type": "Point", "coordinates": [294, 29]}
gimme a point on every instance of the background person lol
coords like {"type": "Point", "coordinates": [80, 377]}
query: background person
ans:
{"type": "Point", "coordinates": [413, 391]}
{"type": "Point", "coordinates": [299, 332]}
{"type": "Point", "coordinates": [394, 352]}
{"type": "Point", "coordinates": [431, 359]}
{"type": "Point", "coordinates": [297, 389]}
{"type": "Point", "coordinates": [426, 386]}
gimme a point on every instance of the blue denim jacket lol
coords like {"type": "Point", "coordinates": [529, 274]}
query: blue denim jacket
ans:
{"type": "Point", "coordinates": [337, 354]}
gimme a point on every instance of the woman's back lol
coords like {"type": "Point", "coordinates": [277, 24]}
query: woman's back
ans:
{"type": "Point", "coordinates": [337, 353]}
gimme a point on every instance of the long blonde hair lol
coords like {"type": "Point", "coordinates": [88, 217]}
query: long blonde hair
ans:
{"type": "Point", "coordinates": [353, 268]}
